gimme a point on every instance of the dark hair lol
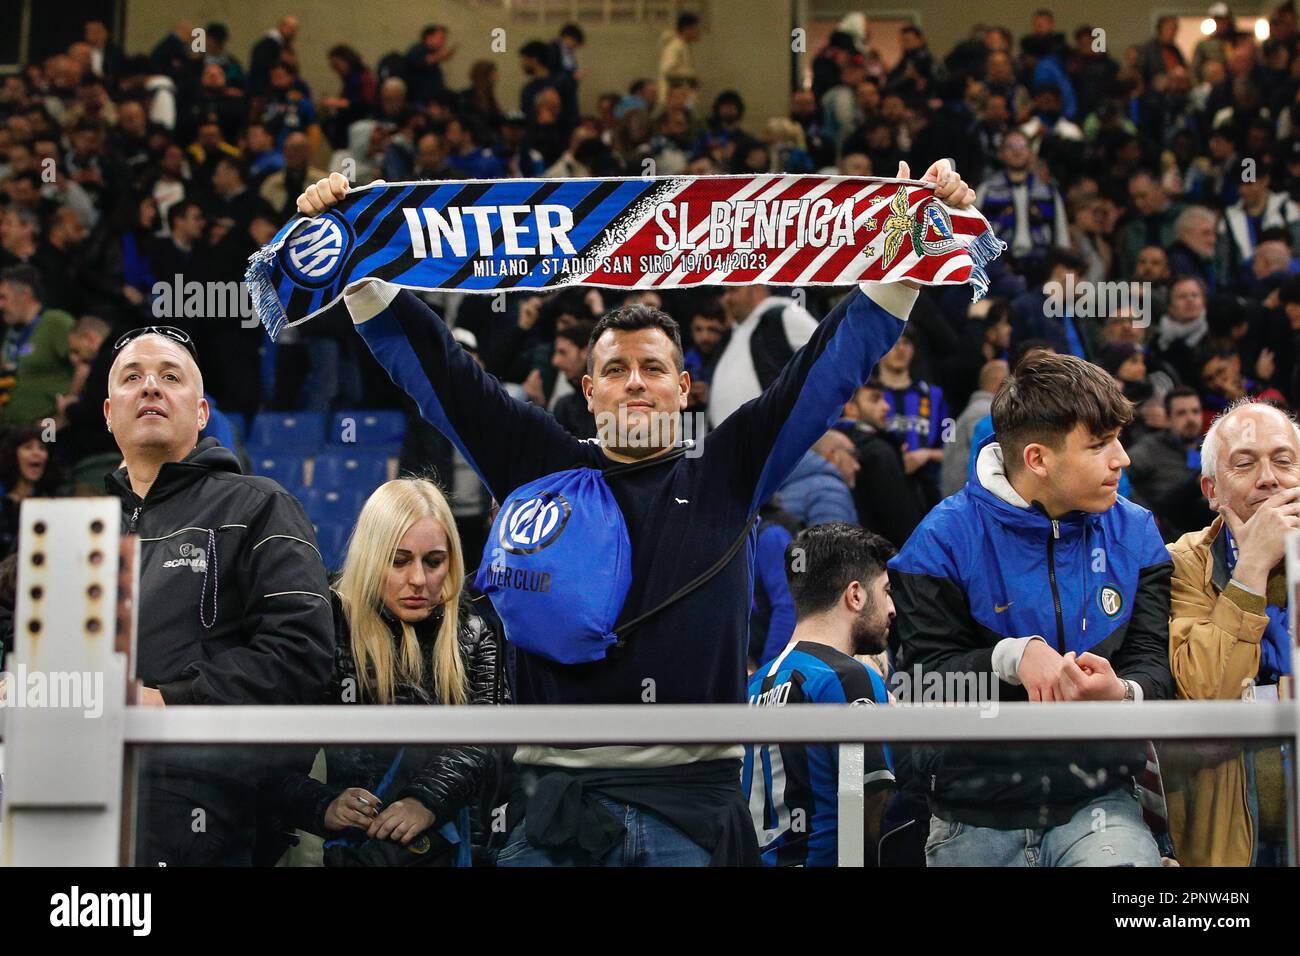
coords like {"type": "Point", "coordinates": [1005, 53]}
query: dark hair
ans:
{"type": "Point", "coordinates": [1224, 313]}
{"type": "Point", "coordinates": [28, 276]}
{"type": "Point", "coordinates": [711, 309]}
{"type": "Point", "coordinates": [1290, 291]}
{"type": "Point", "coordinates": [999, 311]}
{"type": "Point", "coordinates": [8, 598]}
{"type": "Point", "coordinates": [180, 208]}
{"type": "Point", "coordinates": [573, 32]}
{"type": "Point", "coordinates": [840, 40]}
{"type": "Point", "coordinates": [1206, 353]}
{"type": "Point", "coordinates": [728, 96]}
{"type": "Point", "coordinates": [579, 335]}
{"type": "Point", "coordinates": [632, 318]}
{"type": "Point", "coordinates": [686, 20]}
{"type": "Point", "coordinates": [1276, 234]}
{"type": "Point", "coordinates": [1025, 348]}
{"type": "Point", "coordinates": [1067, 258]}
{"type": "Point", "coordinates": [348, 55]}
{"type": "Point", "coordinates": [567, 302]}
{"type": "Point", "coordinates": [225, 159]}
{"type": "Point", "coordinates": [537, 50]}
{"type": "Point", "coordinates": [1182, 391]}
{"type": "Point", "coordinates": [469, 125]}
{"type": "Point", "coordinates": [831, 557]}
{"type": "Point", "coordinates": [14, 439]}
{"type": "Point", "coordinates": [219, 32]}
{"type": "Point", "coordinates": [431, 29]}
{"type": "Point", "coordinates": [30, 176]}
{"type": "Point", "coordinates": [1047, 396]}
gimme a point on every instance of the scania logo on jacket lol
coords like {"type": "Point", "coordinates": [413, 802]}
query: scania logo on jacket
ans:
{"type": "Point", "coordinates": [530, 524]}
{"type": "Point", "coordinates": [191, 556]}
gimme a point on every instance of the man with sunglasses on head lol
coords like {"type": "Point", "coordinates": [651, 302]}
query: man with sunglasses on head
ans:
{"type": "Point", "coordinates": [233, 602]}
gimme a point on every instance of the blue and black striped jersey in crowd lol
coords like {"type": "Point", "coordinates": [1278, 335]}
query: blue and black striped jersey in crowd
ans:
{"type": "Point", "coordinates": [917, 413]}
{"type": "Point", "coordinates": [795, 800]}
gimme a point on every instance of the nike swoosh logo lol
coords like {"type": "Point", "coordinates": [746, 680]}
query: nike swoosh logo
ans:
{"type": "Point", "coordinates": [682, 501]}
{"type": "Point", "coordinates": [999, 608]}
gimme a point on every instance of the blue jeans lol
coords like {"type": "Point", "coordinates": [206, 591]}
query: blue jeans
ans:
{"type": "Point", "coordinates": [1109, 831]}
{"type": "Point", "coordinates": [650, 841]}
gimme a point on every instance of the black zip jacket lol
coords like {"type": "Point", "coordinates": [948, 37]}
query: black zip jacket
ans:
{"type": "Point", "coordinates": [233, 602]}
{"type": "Point", "coordinates": [443, 779]}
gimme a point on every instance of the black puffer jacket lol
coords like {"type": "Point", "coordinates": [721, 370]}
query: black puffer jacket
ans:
{"type": "Point", "coordinates": [233, 596]}
{"type": "Point", "coordinates": [443, 779]}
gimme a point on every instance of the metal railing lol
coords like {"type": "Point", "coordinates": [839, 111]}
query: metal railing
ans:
{"type": "Point", "coordinates": [709, 724]}
{"type": "Point", "coordinates": [65, 772]}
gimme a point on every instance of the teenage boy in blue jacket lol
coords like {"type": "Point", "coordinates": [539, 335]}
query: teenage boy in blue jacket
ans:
{"type": "Point", "coordinates": [1037, 581]}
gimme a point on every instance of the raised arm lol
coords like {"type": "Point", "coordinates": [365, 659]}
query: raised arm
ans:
{"type": "Point", "coordinates": [767, 436]}
{"type": "Point", "coordinates": [507, 442]}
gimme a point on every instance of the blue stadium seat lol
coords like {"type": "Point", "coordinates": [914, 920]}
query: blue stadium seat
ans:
{"type": "Point", "coordinates": [302, 432]}
{"type": "Point", "coordinates": [369, 428]}
{"type": "Point", "coordinates": [284, 467]}
{"type": "Point", "coordinates": [358, 468]}
{"type": "Point", "coordinates": [333, 506]}
{"type": "Point", "coordinates": [332, 539]}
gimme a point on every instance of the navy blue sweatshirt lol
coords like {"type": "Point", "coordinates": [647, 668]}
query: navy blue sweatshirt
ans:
{"type": "Point", "coordinates": [695, 650]}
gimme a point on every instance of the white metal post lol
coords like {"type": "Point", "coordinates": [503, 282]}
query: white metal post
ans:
{"type": "Point", "coordinates": [852, 805]}
{"type": "Point", "coordinates": [66, 700]}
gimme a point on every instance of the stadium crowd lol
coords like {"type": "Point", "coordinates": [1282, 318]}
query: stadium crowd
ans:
{"type": "Point", "coordinates": [1148, 200]}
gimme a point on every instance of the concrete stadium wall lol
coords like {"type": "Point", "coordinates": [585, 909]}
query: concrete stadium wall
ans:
{"type": "Point", "coordinates": [747, 46]}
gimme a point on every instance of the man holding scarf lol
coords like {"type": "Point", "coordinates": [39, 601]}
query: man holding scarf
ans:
{"type": "Point", "coordinates": [1229, 635]}
{"type": "Point", "coordinates": [641, 805]}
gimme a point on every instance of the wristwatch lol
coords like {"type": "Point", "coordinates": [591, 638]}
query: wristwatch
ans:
{"type": "Point", "coordinates": [1128, 691]}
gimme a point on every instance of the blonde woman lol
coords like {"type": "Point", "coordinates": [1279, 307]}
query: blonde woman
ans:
{"type": "Point", "coordinates": [405, 634]}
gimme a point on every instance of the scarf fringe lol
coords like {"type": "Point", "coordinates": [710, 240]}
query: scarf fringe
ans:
{"type": "Point", "coordinates": [261, 289]}
{"type": "Point", "coordinates": [982, 251]}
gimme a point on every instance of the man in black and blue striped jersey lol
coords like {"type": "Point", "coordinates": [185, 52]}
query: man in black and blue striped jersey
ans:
{"type": "Point", "coordinates": [842, 608]}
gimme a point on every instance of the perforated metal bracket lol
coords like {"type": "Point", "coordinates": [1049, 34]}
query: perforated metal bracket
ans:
{"type": "Point", "coordinates": [66, 697]}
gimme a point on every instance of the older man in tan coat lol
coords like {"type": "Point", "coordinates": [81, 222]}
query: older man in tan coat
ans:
{"type": "Point", "coordinates": [1223, 797]}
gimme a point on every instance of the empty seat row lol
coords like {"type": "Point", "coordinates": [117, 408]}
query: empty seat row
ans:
{"type": "Point", "coordinates": [306, 432]}
{"type": "Point", "coordinates": [336, 467]}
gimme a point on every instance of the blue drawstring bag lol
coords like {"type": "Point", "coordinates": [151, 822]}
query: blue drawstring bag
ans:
{"type": "Point", "coordinates": [557, 565]}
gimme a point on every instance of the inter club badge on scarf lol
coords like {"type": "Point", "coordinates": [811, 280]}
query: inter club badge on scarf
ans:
{"type": "Point", "coordinates": [637, 233]}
